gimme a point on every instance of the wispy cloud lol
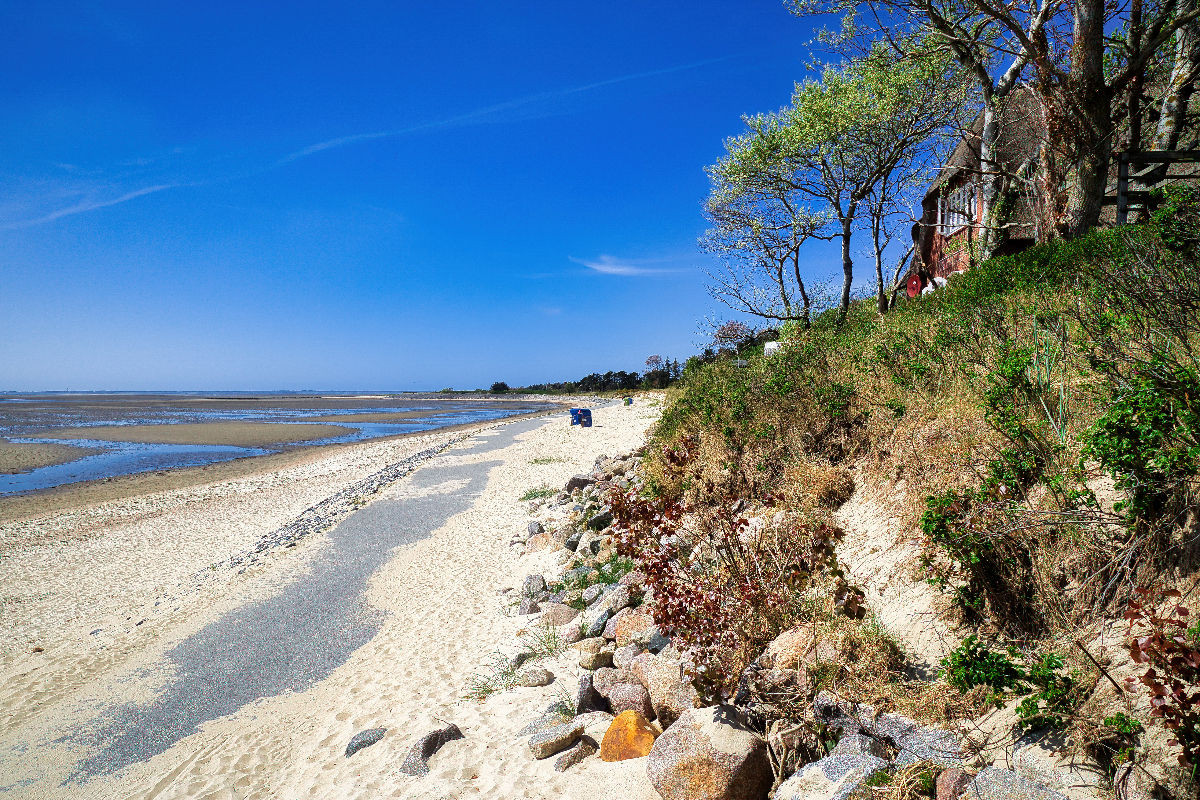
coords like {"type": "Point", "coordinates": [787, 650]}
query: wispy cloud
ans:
{"type": "Point", "coordinates": [611, 265]}
{"type": "Point", "coordinates": [490, 111]}
{"type": "Point", "coordinates": [92, 203]}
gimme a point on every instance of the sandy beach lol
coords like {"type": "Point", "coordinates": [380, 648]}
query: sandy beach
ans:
{"type": "Point", "coordinates": [96, 596]}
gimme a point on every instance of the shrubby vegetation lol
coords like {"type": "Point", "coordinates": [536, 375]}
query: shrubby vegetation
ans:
{"type": "Point", "coordinates": [1041, 413]}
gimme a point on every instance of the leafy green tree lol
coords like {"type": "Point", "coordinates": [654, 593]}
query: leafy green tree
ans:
{"type": "Point", "coordinates": [853, 141]}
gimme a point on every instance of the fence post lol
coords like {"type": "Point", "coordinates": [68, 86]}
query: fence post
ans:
{"type": "Point", "coordinates": [1123, 188]}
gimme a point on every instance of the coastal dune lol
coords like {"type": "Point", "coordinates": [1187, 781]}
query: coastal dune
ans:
{"type": "Point", "coordinates": [442, 621]}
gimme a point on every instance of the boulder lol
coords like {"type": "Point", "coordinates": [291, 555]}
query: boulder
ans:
{"type": "Point", "coordinates": [595, 723]}
{"type": "Point", "coordinates": [629, 736]}
{"type": "Point", "coordinates": [860, 744]}
{"type": "Point", "coordinates": [528, 606]}
{"type": "Point", "coordinates": [539, 542]}
{"type": "Point", "coordinates": [624, 656]}
{"type": "Point", "coordinates": [835, 777]}
{"type": "Point", "coordinates": [591, 593]}
{"type": "Point", "coordinates": [569, 633]}
{"type": "Point", "coordinates": [416, 763]}
{"type": "Point", "coordinates": [587, 698]}
{"type": "Point", "coordinates": [572, 540]}
{"type": "Point", "coordinates": [594, 654]}
{"type": "Point", "coordinates": [994, 783]}
{"type": "Point", "coordinates": [557, 614]}
{"type": "Point", "coordinates": [629, 627]}
{"type": "Point", "coordinates": [914, 742]}
{"type": "Point", "coordinates": [670, 694]}
{"type": "Point", "coordinates": [601, 521]}
{"type": "Point", "coordinates": [610, 628]}
{"type": "Point", "coordinates": [556, 739]}
{"type": "Point", "coordinates": [614, 599]}
{"type": "Point", "coordinates": [364, 739]}
{"type": "Point", "coordinates": [796, 648]}
{"type": "Point", "coordinates": [951, 783]}
{"type": "Point", "coordinates": [534, 585]}
{"type": "Point", "coordinates": [629, 697]}
{"type": "Point", "coordinates": [579, 482]}
{"type": "Point", "coordinates": [535, 528]}
{"type": "Point", "coordinates": [606, 678]}
{"type": "Point", "coordinates": [535, 676]}
{"type": "Point", "coordinates": [573, 755]}
{"type": "Point", "coordinates": [710, 754]}
{"type": "Point", "coordinates": [598, 625]}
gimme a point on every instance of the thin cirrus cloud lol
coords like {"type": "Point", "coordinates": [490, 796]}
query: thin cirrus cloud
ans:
{"type": "Point", "coordinates": [631, 267]}
{"type": "Point", "coordinates": [490, 113]}
{"type": "Point", "coordinates": [91, 204]}
{"type": "Point", "coordinates": [484, 114]}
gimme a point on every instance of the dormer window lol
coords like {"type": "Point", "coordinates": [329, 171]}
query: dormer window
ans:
{"type": "Point", "coordinates": [956, 209]}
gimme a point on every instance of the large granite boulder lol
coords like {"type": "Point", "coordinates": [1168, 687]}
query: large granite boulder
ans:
{"type": "Point", "coordinates": [835, 777]}
{"type": "Point", "coordinates": [556, 614]}
{"type": "Point", "coordinates": [710, 754]}
{"type": "Point", "coordinates": [994, 783]}
{"type": "Point", "coordinates": [630, 626]}
{"type": "Point", "coordinates": [670, 693]}
{"type": "Point", "coordinates": [913, 741]}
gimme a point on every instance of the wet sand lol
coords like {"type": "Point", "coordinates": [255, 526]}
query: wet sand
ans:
{"type": "Point", "coordinates": [89, 493]}
{"type": "Point", "coordinates": [17, 457]}
{"type": "Point", "coordinates": [385, 416]}
{"type": "Point", "coordinates": [235, 434]}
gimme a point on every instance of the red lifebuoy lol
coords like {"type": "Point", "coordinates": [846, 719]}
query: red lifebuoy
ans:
{"type": "Point", "coordinates": [915, 285]}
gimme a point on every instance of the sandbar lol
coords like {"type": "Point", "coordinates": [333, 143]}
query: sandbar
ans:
{"type": "Point", "coordinates": [237, 434]}
{"type": "Point", "coordinates": [17, 457]}
{"type": "Point", "coordinates": [384, 416]}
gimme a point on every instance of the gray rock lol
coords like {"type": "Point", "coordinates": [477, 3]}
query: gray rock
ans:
{"type": "Point", "coordinates": [587, 699]}
{"type": "Point", "coordinates": [535, 528]}
{"type": "Point", "coordinates": [585, 747]}
{"type": "Point", "coordinates": [994, 783]}
{"type": "Point", "coordinates": [535, 676]}
{"type": "Point", "coordinates": [913, 741]}
{"type": "Point", "coordinates": [557, 614]}
{"type": "Point", "coordinates": [835, 777]}
{"type": "Point", "coordinates": [624, 656]}
{"type": "Point", "coordinates": [416, 763]}
{"type": "Point", "coordinates": [597, 625]}
{"type": "Point", "coordinates": [601, 521]}
{"type": "Point", "coordinates": [579, 482]}
{"type": "Point", "coordinates": [653, 640]}
{"type": "Point", "coordinates": [545, 722]}
{"type": "Point", "coordinates": [614, 600]}
{"type": "Point", "coordinates": [534, 586]}
{"type": "Point", "coordinates": [593, 653]}
{"type": "Point", "coordinates": [630, 697]}
{"type": "Point", "coordinates": [607, 677]}
{"type": "Point", "coordinates": [592, 592]}
{"type": "Point", "coordinates": [364, 739]}
{"type": "Point", "coordinates": [859, 745]}
{"type": "Point", "coordinates": [554, 740]}
{"type": "Point", "coordinates": [572, 541]}
{"type": "Point", "coordinates": [528, 606]}
{"type": "Point", "coordinates": [710, 754]}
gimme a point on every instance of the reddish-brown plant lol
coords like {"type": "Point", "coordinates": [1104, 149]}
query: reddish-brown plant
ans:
{"type": "Point", "coordinates": [1160, 637]}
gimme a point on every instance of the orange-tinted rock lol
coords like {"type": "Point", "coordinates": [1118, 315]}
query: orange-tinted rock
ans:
{"type": "Point", "coordinates": [710, 754]}
{"type": "Point", "coordinates": [627, 627]}
{"type": "Point", "coordinates": [629, 736]}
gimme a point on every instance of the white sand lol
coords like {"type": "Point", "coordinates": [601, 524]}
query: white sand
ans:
{"type": "Point", "coordinates": [69, 574]}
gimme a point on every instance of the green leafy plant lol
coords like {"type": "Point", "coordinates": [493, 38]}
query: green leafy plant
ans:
{"type": "Point", "coordinates": [1053, 695]}
{"type": "Point", "coordinates": [972, 664]}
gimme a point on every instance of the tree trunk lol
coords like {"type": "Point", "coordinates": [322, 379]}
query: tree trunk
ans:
{"type": "Point", "coordinates": [989, 180]}
{"type": "Point", "coordinates": [1184, 73]}
{"type": "Point", "coordinates": [847, 264]}
{"type": "Point", "coordinates": [1092, 101]}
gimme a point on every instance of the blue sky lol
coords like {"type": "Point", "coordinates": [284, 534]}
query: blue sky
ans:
{"type": "Point", "coordinates": [392, 195]}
